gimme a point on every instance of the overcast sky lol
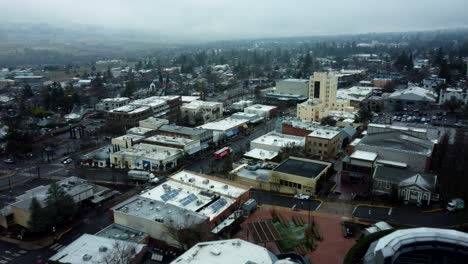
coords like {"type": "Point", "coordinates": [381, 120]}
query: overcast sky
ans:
{"type": "Point", "coordinates": [222, 19]}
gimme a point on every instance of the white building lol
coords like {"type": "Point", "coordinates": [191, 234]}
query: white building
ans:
{"type": "Point", "coordinates": [265, 111]}
{"type": "Point", "coordinates": [201, 111]}
{"type": "Point", "coordinates": [225, 128]}
{"type": "Point", "coordinates": [355, 94]}
{"type": "Point", "coordinates": [185, 200]}
{"type": "Point", "coordinates": [146, 157]}
{"type": "Point", "coordinates": [112, 103]}
{"type": "Point", "coordinates": [96, 249]}
{"type": "Point", "coordinates": [189, 146]}
{"type": "Point", "coordinates": [159, 106]}
{"type": "Point", "coordinates": [153, 123]}
{"type": "Point", "coordinates": [275, 142]}
{"type": "Point", "coordinates": [241, 105]}
{"type": "Point", "coordinates": [127, 141]}
{"type": "Point", "coordinates": [459, 95]}
{"type": "Point", "coordinates": [232, 251]}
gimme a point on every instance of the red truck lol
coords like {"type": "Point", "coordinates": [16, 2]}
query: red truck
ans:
{"type": "Point", "coordinates": [222, 152]}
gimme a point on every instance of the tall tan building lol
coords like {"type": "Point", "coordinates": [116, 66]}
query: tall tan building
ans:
{"type": "Point", "coordinates": [322, 99]}
{"type": "Point", "coordinates": [323, 86]}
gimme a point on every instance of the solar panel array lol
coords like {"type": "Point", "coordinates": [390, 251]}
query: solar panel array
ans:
{"type": "Point", "coordinates": [169, 195]}
{"type": "Point", "coordinates": [188, 199]}
{"type": "Point", "coordinates": [218, 205]}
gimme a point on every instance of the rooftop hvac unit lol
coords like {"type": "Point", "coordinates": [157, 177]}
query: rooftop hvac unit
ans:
{"type": "Point", "coordinates": [102, 249]}
{"type": "Point", "coordinates": [191, 179]}
{"type": "Point", "coordinates": [87, 257]}
{"type": "Point", "coordinates": [206, 181]}
{"type": "Point", "coordinates": [225, 186]}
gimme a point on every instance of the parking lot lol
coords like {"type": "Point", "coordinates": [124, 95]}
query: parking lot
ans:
{"type": "Point", "coordinates": [419, 118]}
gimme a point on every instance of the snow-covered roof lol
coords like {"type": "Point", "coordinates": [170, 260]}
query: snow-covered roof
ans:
{"type": "Point", "coordinates": [224, 124]}
{"type": "Point", "coordinates": [357, 93]}
{"type": "Point", "coordinates": [280, 140]}
{"type": "Point", "coordinates": [364, 155]}
{"type": "Point", "coordinates": [259, 107]}
{"type": "Point", "coordinates": [388, 245]}
{"type": "Point", "coordinates": [261, 154]}
{"type": "Point", "coordinates": [324, 133]}
{"type": "Point", "coordinates": [96, 248]}
{"type": "Point", "coordinates": [230, 251]}
{"type": "Point", "coordinates": [414, 93]}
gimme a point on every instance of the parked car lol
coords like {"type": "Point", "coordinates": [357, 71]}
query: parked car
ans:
{"type": "Point", "coordinates": [9, 161]}
{"type": "Point", "coordinates": [67, 161]}
{"type": "Point", "coordinates": [301, 196]}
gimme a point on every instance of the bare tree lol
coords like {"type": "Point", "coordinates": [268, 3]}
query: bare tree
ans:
{"type": "Point", "coordinates": [121, 253]}
{"type": "Point", "coordinates": [189, 236]}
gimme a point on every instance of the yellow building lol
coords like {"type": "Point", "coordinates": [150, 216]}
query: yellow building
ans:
{"type": "Point", "coordinates": [293, 176]}
{"type": "Point", "coordinates": [323, 86]}
{"type": "Point", "coordinates": [322, 98]}
{"type": "Point", "coordinates": [323, 143]}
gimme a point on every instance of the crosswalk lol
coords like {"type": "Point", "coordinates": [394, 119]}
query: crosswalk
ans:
{"type": "Point", "coordinates": [10, 255]}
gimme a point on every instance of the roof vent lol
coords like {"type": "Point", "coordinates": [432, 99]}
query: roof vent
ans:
{"type": "Point", "coordinates": [206, 181]}
{"type": "Point", "coordinates": [87, 257]}
{"type": "Point", "coordinates": [215, 252]}
{"type": "Point", "coordinates": [225, 186]}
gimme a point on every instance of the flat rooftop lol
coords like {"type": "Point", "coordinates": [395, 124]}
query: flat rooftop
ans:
{"type": "Point", "coordinates": [129, 137]}
{"type": "Point", "coordinates": [90, 245]}
{"type": "Point", "coordinates": [260, 107]}
{"type": "Point", "coordinates": [153, 210]}
{"type": "Point", "coordinates": [182, 130]}
{"type": "Point", "coordinates": [230, 251]}
{"type": "Point", "coordinates": [169, 140]}
{"type": "Point", "coordinates": [304, 168]}
{"type": "Point", "coordinates": [150, 151]}
{"type": "Point", "coordinates": [120, 232]}
{"type": "Point", "coordinates": [152, 101]}
{"type": "Point", "coordinates": [296, 80]}
{"type": "Point", "coordinates": [364, 155]}
{"type": "Point", "coordinates": [200, 104]}
{"type": "Point", "coordinates": [261, 154]}
{"type": "Point", "coordinates": [139, 130]}
{"type": "Point", "coordinates": [224, 124]}
{"type": "Point", "coordinates": [187, 198]}
{"type": "Point", "coordinates": [129, 109]}
{"type": "Point", "coordinates": [232, 190]}
{"type": "Point", "coordinates": [324, 133]}
{"type": "Point", "coordinates": [281, 140]}
{"type": "Point", "coordinates": [116, 99]}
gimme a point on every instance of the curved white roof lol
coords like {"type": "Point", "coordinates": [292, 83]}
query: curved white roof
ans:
{"type": "Point", "coordinates": [391, 243]}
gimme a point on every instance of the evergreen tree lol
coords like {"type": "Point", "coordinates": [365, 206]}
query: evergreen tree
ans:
{"type": "Point", "coordinates": [60, 205]}
{"type": "Point", "coordinates": [37, 222]}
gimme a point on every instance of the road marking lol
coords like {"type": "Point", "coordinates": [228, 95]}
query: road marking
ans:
{"type": "Point", "coordinates": [7, 258]}
{"type": "Point", "coordinates": [7, 252]}
{"type": "Point", "coordinates": [60, 247]}
{"type": "Point", "coordinates": [22, 251]}
{"type": "Point", "coordinates": [432, 210]}
{"type": "Point", "coordinates": [3, 261]}
{"type": "Point", "coordinates": [54, 246]}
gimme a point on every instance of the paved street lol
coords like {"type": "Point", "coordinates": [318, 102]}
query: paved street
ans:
{"type": "Point", "coordinates": [282, 200]}
{"type": "Point", "coordinates": [202, 164]}
{"type": "Point", "coordinates": [411, 216]}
